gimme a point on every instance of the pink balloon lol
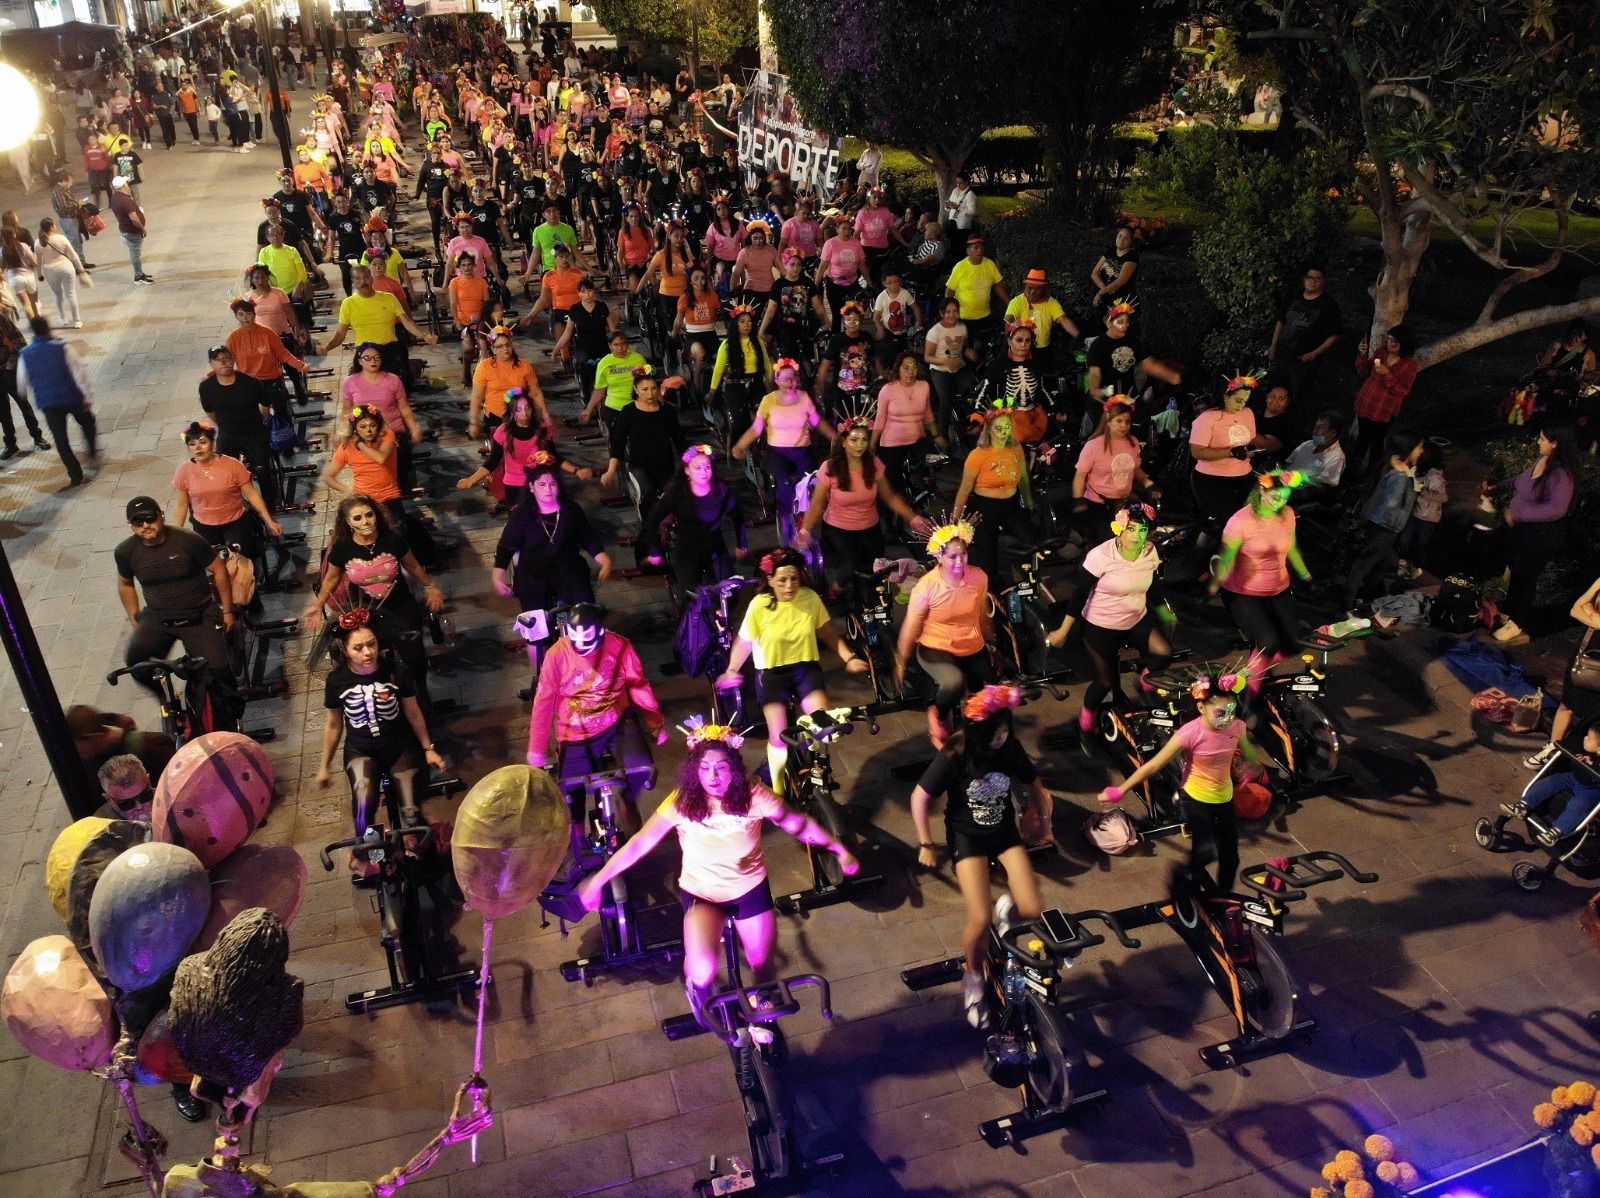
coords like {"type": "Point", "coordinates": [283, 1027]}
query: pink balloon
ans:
{"type": "Point", "coordinates": [55, 1007]}
{"type": "Point", "coordinates": [257, 875]}
{"type": "Point", "coordinates": [212, 795]}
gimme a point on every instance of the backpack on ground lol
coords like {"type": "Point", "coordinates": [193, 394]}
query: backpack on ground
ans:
{"type": "Point", "coordinates": [1112, 832]}
{"type": "Point", "coordinates": [1457, 607]}
{"type": "Point", "coordinates": [699, 652]}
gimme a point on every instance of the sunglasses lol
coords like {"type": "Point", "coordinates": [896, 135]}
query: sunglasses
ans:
{"type": "Point", "coordinates": [142, 521]}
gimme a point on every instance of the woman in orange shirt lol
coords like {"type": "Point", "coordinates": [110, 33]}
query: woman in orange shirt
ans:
{"type": "Point", "coordinates": [634, 244]}
{"type": "Point", "coordinates": [374, 468]}
{"type": "Point", "coordinates": [669, 270]}
{"type": "Point", "coordinates": [504, 370]}
{"type": "Point", "coordinates": [696, 323]}
{"type": "Point", "coordinates": [948, 625]}
{"type": "Point", "coordinates": [996, 489]}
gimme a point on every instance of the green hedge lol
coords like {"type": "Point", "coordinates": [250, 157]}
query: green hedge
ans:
{"type": "Point", "coordinates": [1005, 159]}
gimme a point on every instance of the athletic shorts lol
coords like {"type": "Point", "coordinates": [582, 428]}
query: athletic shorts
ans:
{"type": "Point", "coordinates": [755, 901]}
{"type": "Point", "coordinates": [788, 684]}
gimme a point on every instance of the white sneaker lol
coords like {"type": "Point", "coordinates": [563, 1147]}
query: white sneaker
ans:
{"type": "Point", "coordinates": [1534, 761]}
{"type": "Point", "coordinates": [760, 1033]}
{"type": "Point", "coordinates": [1005, 913]}
{"type": "Point", "coordinates": [1509, 631]}
{"type": "Point", "coordinates": [1403, 568]}
{"type": "Point", "coordinates": [972, 998]}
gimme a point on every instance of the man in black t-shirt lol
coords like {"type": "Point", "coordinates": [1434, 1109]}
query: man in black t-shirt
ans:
{"type": "Point", "coordinates": [346, 241]}
{"type": "Point", "coordinates": [1115, 359]}
{"type": "Point", "coordinates": [177, 569]}
{"type": "Point", "coordinates": [795, 311]}
{"type": "Point", "coordinates": [1306, 332]}
{"type": "Point", "coordinates": [589, 326]}
{"type": "Point", "coordinates": [240, 406]}
{"type": "Point", "coordinates": [433, 177]}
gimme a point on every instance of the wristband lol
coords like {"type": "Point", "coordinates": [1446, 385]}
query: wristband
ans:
{"type": "Point", "coordinates": [925, 844]}
{"type": "Point", "coordinates": [1114, 794]}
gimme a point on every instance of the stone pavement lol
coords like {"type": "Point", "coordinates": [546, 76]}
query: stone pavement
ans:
{"type": "Point", "coordinates": [1449, 1000]}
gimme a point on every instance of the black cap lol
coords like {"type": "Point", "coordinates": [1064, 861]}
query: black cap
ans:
{"type": "Point", "coordinates": [142, 507]}
{"type": "Point", "coordinates": [215, 350]}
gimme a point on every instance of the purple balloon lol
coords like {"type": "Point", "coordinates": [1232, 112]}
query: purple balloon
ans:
{"type": "Point", "coordinates": [147, 909]}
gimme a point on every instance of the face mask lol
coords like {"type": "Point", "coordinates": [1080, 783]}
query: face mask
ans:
{"type": "Point", "coordinates": [585, 638]}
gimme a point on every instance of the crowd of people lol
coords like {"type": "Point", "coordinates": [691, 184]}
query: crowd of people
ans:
{"type": "Point", "coordinates": [846, 345]}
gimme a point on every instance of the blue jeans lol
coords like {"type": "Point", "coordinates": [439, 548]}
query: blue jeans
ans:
{"type": "Point", "coordinates": [1582, 798]}
{"type": "Point", "coordinates": [72, 232]}
{"type": "Point", "coordinates": [135, 253]}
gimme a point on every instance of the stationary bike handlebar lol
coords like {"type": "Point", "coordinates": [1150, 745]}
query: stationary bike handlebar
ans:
{"type": "Point", "coordinates": [1295, 873]}
{"type": "Point", "coordinates": [1056, 950]}
{"type": "Point", "coordinates": [362, 847]}
{"type": "Point", "coordinates": [183, 667]}
{"type": "Point", "coordinates": [734, 1006]}
{"type": "Point", "coordinates": [817, 728]}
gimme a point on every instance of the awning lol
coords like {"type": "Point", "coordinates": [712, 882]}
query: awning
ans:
{"type": "Point", "coordinates": [72, 44]}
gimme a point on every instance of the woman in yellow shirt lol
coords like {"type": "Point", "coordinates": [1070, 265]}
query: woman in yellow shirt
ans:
{"type": "Point", "coordinates": [996, 490]}
{"type": "Point", "coordinates": [780, 632]}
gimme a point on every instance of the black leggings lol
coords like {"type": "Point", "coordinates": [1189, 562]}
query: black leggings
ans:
{"type": "Point", "coordinates": [787, 464]}
{"type": "Point", "coordinates": [366, 773]}
{"type": "Point", "coordinates": [1104, 644]}
{"type": "Point", "coordinates": [1218, 496]}
{"type": "Point", "coordinates": [1271, 623]}
{"type": "Point", "coordinates": [1213, 836]}
{"type": "Point", "coordinates": [954, 677]}
{"type": "Point", "coordinates": [1530, 548]}
{"type": "Point", "coordinates": [994, 516]}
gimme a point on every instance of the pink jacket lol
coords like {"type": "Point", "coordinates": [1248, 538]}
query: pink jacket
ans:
{"type": "Point", "coordinates": [584, 696]}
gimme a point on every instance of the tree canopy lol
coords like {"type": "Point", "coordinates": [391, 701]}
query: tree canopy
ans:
{"type": "Point", "coordinates": [1466, 113]}
{"type": "Point", "coordinates": [712, 30]}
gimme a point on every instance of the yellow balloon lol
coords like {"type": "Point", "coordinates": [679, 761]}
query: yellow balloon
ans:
{"type": "Point", "coordinates": [510, 835]}
{"type": "Point", "coordinates": [63, 856]}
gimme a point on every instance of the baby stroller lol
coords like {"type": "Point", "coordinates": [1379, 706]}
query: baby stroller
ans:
{"type": "Point", "coordinates": [1568, 839]}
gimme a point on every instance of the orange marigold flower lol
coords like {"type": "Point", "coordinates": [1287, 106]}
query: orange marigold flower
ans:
{"type": "Point", "coordinates": [1546, 1114]}
{"type": "Point", "coordinates": [1581, 1093]}
{"type": "Point", "coordinates": [1409, 1177]}
{"type": "Point", "coordinates": [1581, 1135]}
{"type": "Point", "coordinates": [1559, 1097]}
{"type": "Point", "coordinates": [1359, 1189]}
{"type": "Point", "coordinates": [1594, 1155]}
{"type": "Point", "coordinates": [1388, 1171]}
{"type": "Point", "coordinates": [1330, 1172]}
{"type": "Point", "coordinates": [1351, 1171]}
{"type": "Point", "coordinates": [1321, 1192]}
{"type": "Point", "coordinates": [1380, 1148]}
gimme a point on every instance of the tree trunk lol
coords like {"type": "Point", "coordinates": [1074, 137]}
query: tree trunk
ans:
{"type": "Point", "coordinates": [1474, 335]}
{"type": "Point", "coordinates": [1391, 292]}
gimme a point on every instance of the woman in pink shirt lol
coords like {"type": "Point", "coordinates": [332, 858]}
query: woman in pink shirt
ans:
{"type": "Point", "coordinates": [845, 502]}
{"type": "Point", "coordinates": [1207, 746]}
{"type": "Point", "coordinates": [874, 225]}
{"type": "Point", "coordinates": [903, 430]}
{"type": "Point", "coordinates": [1108, 469]}
{"type": "Point", "coordinates": [724, 240]}
{"type": "Point", "coordinates": [1220, 442]}
{"type": "Point", "coordinates": [1258, 550]}
{"type": "Point", "coordinates": [372, 386]}
{"type": "Point", "coordinates": [1118, 599]}
{"type": "Point", "coordinates": [784, 420]}
{"type": "Point", "coordinates": [756, 267]}
{"type": "Point", "coordinates": [218, 493]}
{"type": "Point", "coordinates": [840, 268]}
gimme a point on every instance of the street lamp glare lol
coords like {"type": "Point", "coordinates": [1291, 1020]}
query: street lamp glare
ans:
{"type": "Point", "coordinates": [19, 107]}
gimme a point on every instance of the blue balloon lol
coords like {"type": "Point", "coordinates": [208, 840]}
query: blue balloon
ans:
{"type": "Point", "coordinates": [149, 906]}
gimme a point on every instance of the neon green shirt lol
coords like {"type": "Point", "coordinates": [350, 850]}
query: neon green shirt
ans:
{"type": "Point", "coordinates": [973, 286]}
{"type": "Point", "coordinates": [616, 376]}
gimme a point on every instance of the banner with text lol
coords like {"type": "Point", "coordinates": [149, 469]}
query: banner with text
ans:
{"type": "Point", "coordinates": [773, 137]}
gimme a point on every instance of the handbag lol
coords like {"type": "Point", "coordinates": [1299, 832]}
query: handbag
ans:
{"type": "Point", "coordinates": [94, 223]}
{"type": "Point", "coordinates": [1584, 672]}
{"type": "Point", "coordinates": [281, 434]}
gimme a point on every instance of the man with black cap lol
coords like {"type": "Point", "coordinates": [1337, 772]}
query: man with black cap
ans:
{"type": "Point", "coordinates": [177, 571]}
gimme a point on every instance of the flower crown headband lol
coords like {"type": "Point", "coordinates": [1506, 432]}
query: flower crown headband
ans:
{"type": "Point", "coordinates": [697, 731]}
{"type": "Point", "coordinates": [1135, 513]}
{"type": "Point", "coordinates": [1117, 402]}
{"type": "Point", "coordinates": [776, 559]}
{"type": "Point", "coordinates": [991, 701]}
{"type": "Point", "coordinates": [954, 530]}
{"type": "Point", "coordinates": [364, 412]}
{"type": "Point", "coordinates": [786, 364]}
{"type": "Point", "coordinates": [1242, 382]}
{"type": "Point", "coordinates": [1280, 478]}
{"type": "Point", "coordinates": [695, 451]}
{"type": "Point", "coordinates": [1123, 306]}
{"type": "Point", "coordinates": [1235, 681]}
{"type": "Point", "coordinates": [198, 428]}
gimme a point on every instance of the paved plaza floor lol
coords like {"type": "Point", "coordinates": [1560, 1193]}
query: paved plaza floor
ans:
{"type": "Point", "coordinates": [1449, 1000]}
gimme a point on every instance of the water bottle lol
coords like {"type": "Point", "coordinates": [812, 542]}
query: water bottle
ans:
{"type": "Point", "coordinates": [1013, 983]}
{"type": "Point", "coordinates": [1344, 628]}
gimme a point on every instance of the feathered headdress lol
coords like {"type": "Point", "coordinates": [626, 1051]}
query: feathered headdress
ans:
{"type": "Point", "coordinates": [1245, 381]}
{"type": "Point", "coordinates": [697, 731]}
{"type": "Point", "coordinates": [1118, 401]}
{"type": "Point", "coordinates": [1234, 680]}
{"type": "Point", "coordinates": [1122, 306]}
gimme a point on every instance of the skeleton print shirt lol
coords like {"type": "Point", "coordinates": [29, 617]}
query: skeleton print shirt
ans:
{"type": "Point", "coordinates": [980, 801]}
{"type": "Point", "coordinates": [374, 722]}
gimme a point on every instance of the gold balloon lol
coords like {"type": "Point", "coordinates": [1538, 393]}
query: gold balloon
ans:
{"type": "Point", "coordinates": [510, 835]}
{"type": "Point", "coordinates": [211, 1181]}
{"type": "Point", "coordinates": [63, 856]}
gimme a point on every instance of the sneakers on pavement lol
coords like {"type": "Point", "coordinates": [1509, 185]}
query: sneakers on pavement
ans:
{"type": "Point", "coordinates": [1508, 631]}
{"type": "Point", "coordinates": [146, 280]}
{"type": "Point", "coordinates": [40, 445]}
{"type": "Point", "coordinates": [9, 452]}
{"type": "Point", "coordinates": [1535, 761]}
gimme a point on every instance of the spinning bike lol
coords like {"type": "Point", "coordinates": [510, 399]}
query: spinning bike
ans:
{"type": "Point", "coordinates": [760, 1069]}
{"type": "Point", "coordinates": [410, 901]}
{"type": "Point", "coordinates": [1232, 936]}
{"type": "Point", "coordinates": [811, 787]}
{"type": "Point", "coordinates": [868, 629]}
{"type": "Point", "coordinates": [1030, 1046]}
{"type": "Point", "coordinates": [1021, 626]}
{"type": "Point", "coordinates": [597, 835]}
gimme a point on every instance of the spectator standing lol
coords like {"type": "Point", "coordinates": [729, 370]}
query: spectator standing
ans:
{"type": "Point", "coordinates": [1306, 332]}
{"type": "Point", "coordinates": [131, 224]}
{"type": "Point", "coordinates": [11, 343]}
{"type": "Point", "coordinates": [1389, 373]}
